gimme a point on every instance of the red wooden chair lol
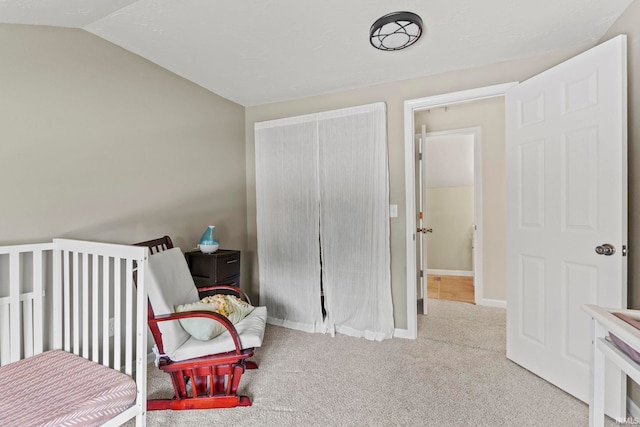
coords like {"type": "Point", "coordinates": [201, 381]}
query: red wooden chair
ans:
{"type": "Point", "coordinates": [205, 374]}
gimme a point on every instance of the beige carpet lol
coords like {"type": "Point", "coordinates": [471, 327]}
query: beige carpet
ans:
{"type": "Point", "coordinates": [454, 374]}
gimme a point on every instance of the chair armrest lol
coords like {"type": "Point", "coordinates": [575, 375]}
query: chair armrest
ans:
{"type": "Point", "coordinates": [239, 293]}
{"type": "Point", "coordinates": [206, 314]}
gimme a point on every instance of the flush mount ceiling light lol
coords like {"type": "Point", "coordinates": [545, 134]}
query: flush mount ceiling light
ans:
{"type": "Point", "coordinates": [395, 31]}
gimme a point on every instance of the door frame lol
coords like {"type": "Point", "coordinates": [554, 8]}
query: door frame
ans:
{"type": "Point", "coordinates": [410, 107]}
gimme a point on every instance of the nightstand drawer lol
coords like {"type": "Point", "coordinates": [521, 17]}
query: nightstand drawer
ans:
{"type": "Point", "coordinates": [221, 267]}
{"type": "Point", "coordinates": [201, 282]}
{"type": "Point", "coordinates": [228, 265]}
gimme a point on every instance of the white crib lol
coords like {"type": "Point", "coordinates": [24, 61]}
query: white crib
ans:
{"type": "Point", "coordinates": [80, 297]}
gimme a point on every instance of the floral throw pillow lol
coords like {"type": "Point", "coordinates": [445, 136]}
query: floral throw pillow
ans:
{"type": "Point", "coordinates": [230, 306]}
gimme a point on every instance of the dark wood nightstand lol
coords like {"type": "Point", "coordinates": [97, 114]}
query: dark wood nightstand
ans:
{"type": "Point", "coordinates": [219, 268]}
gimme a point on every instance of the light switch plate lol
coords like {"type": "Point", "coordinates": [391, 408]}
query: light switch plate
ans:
{"type": "Point", "coordinates": [393, 211]}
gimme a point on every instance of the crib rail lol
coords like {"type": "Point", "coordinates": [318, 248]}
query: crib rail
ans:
{"type": "Point", "coordinates": [81, 297]}
{"type": "Point", "coordinates": [93, 299]}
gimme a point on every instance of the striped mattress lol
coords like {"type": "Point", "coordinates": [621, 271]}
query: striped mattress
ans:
{"type": "Point", "coordinates": [57, 388]}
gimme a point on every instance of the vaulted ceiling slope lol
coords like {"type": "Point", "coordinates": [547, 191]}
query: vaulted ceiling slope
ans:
{"type": "Point", "coordinates": [261, 51]}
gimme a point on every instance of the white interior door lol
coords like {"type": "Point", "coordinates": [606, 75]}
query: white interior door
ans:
{"type": "Point", "coordinates": [421, 246]}
{"type": "Point", "coordinates": [423, 228]}
{"type": "Point", "coordinates": [566, 196]}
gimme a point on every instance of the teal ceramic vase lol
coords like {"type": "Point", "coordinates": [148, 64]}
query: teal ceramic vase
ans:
{"type": "Point", "coordinates": [208, 243]}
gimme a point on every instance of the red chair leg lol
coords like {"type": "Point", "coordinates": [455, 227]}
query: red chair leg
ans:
{"type": "Point", "coordinates": [179, 384]}
{"type": "Point", "coordinates": [234, 379]}
{"type": "Point", "coordinates": [215, 388]}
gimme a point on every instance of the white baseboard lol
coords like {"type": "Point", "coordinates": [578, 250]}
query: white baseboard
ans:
{"type": "Point", "coordinates": [450, 272]}
{"type": "Point", "coordinates": [151, 357]}
{"type": "Point", "coordinates": [492, 303]}
{"type": "Point", "coordinates": [403, 333]}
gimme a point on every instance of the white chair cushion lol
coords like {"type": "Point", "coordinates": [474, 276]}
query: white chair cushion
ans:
{"type": "Point", "coordinates": [169, 283]}
{"type": "Point", "coordinates": [250, 329]}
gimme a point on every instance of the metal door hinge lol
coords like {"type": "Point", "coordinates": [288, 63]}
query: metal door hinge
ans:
{"type": "Point", "coordinates": [421, 273]}
{"type": "Point", "coordinates": [624, 250]}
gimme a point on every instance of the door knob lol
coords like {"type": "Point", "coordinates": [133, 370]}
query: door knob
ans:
{"type": "Point", "coordinates": [606, 249]}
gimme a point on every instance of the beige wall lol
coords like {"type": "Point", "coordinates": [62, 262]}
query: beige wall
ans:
{"type": "Point", "coordinates": [98, 143]}
{"type": "Point", "coordinates": [449, 212]}
{"type": "Point", "coordinates": [487, 114]}
{"type": "Point", "coordinates": [394, 94]}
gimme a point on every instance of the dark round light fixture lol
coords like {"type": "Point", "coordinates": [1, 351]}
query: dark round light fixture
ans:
{"type": "Point", "coordinates": [395, 31]}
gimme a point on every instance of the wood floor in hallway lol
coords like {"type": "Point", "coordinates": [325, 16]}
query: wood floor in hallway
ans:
{"type": "Point", "coordinates": [452, 288]}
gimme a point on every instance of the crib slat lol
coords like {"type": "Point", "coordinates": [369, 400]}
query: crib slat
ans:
{"type": "Point", "coordinates": [57, 311]}
{"type": "Point", "coordinates": [38, 290]}
{"type": "Point", "coordinates": [95, 327]}
{"type": "Point", "coordinates": [129, 318]}
{"type": "Point", "coordinates": [75, 330]}
{"type": "Point", "coordinates": [85, 306]}
{"type": "Point", "coordinates": [117, 312]}
{"type": "Point", "coordinates": [66, 294]}
{"type": "Point", "coordinates": [14, 305]}
{"type": "Point", "coordinates": [106, 290]}
{"type": "Point", "coordinates": [26, 307]}
{"type": "Point", "coordinates": [27, 326]}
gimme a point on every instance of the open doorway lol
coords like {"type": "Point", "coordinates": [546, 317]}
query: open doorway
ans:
{"type": "Point", "coordinates": [452, 180]}
{"type": "Point", "coordinates": [450, 204]}
{"type": "Point", "coordinates": [490, 286]}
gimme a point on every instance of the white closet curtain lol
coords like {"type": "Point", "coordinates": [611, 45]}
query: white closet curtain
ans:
{"type": "Point", "coordinates": [323, 221]}
{"type": "Point", "coordinates": [288, 225]}
{"type": "Point", "coordinates": [354, 222]}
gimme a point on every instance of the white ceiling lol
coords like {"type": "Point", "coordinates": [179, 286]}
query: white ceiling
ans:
{"type": "Point", "coordinates": [260, 51]}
